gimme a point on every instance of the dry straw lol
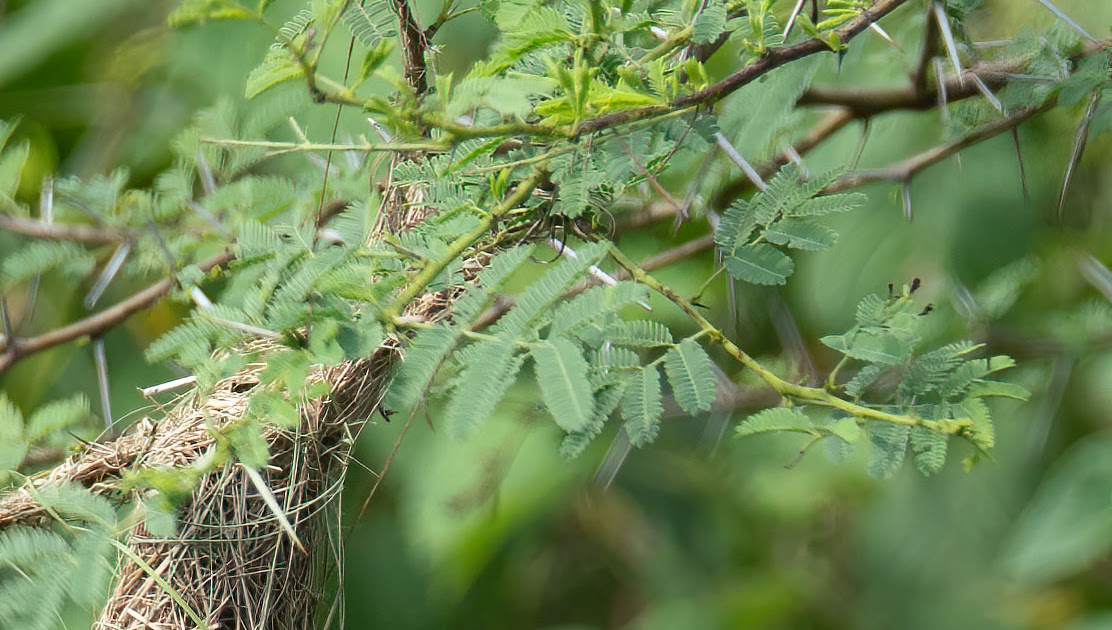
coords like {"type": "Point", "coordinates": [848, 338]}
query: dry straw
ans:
{"type": "Point", "coordinates": [253, 550]}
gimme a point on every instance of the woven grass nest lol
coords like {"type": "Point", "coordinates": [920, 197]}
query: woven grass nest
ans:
{"type": "Point", "coordinates": [233, 562]}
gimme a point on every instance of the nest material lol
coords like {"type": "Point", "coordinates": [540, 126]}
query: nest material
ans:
{"type": "Point", "coordinates": [233, 563]}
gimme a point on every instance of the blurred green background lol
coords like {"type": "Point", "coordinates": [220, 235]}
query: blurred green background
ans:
{"type": "Point", "coordinates": [699, 530]}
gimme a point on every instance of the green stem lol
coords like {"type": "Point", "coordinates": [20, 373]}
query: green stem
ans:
{"type": "Point", "coordinates": [459, 246]}
{"type": "Point", "coordinates": [292, 147]}
{"type": "Point", "coordinates": [673, 42]}
{"type": "Point", "coordinates": [812, 395]}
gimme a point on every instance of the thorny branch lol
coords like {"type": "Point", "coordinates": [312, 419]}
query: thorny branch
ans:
{"type": "Point", "coordinates": [14, 349]}
{"type": "Point", "coordinates": [905, 169]}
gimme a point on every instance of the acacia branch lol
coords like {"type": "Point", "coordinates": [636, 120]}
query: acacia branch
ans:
{"type": "Point", "coordinates": [775, 58]}
{"type": "Point", "coordinates": [97, 324]}
{"type": "Point", "coordinates": [64, 232]}
{"type": "Point", "coordinates": [414, 45]}
{"type": "Point", "coordinates": [905, 169]}
{"type": "Point", "coordinates": [867, 102]}
{"type": "Point", "coordinates": [810, 395]}
{"type": "Point", "coordinates": [919, 78]}
{"type": "Point", "coordinates": [826, 127]}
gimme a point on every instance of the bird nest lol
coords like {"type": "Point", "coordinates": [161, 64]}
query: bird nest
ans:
{"type": "Point", "coordinates": [240, 558]}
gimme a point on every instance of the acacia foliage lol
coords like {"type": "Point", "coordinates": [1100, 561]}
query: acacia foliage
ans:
{"type": "Point", "coordinates": [577, 109]}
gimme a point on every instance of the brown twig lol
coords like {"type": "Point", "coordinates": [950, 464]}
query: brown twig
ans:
{"type": "Point", "coordinates": [826, 127]}
{"type": "Point", "coordinates": [64, 232]}
{"type": "Point", "coordinates": [414, 45]}
{"type": "Point", "coordinates": [905, 169]}
{"type": "Point", "coordinates": [775, 58]}
{"type": "Point", "coordinates": [96, 324]}
{"type": "Point", "coordinates": [920, 77]}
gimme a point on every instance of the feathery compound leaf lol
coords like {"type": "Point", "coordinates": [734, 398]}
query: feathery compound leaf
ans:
{"type": "Point", "coordinates": [801, 234]}
{"type": "Point", "coordinates": [774, 420]}
{"type": "Point", "coordinates": [13, 446]}
{"type": "Point", "coordinates": [200, 11]}
{"type": "Point", "coordinates": [540, 295]}
{"type": "Point", "coordinates": [423, 357]}
{"type": "Point", "coordinates": [42, 256]}
{"type": "Point", "coordinates": [889, 442]}
{"type": "Point", "coordinates": [562, 375]}
{"type": "Point", "coordinates": [709, 22]}
{"type": "Point", "coordinates": [594, 303]}
{"type": "Point", "coordinates": [982, 433]}
{"type": "Point", "coordinates": [370, 22]}
{"type": "Point", "coordinates": [861, 381]}
{"type": "Point", "coordinates": [872, 346]}
{"type": "Point", "coordinates": [638, 333]}
{"type": "Point", "coordinates": [826, 204]}
{"type": "Point", "coordinates": [642, 406]}
{"type": "Point", "coordinates": [56, 416]}
{"type": "Point", "coordinates": [490, 371]}
{"type": "Point", "coordinates": [930, 449]}
{"type": "Point", "coordinates": [501, 267]}
{"type": "Point", "coordinates": [278, 66]}
{"type": "Point", "coordinates": [759, 264]}
{"type": "Point", "coordinates": [871, 310]}
{"type": "Point", "coordinates": [691, 374]}
{"type": "Point", "coordinates": [607, 399]}
{"type": "Point", "coordinates": [426, 353]}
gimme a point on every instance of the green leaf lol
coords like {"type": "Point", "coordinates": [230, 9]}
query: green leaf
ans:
{"type": "Point", "coordinates": [200, 11]}
{"type": "Point", "coordinates": [930, 449]}
{"type": "Point", "coordinates": [642, 406]}
{"type": "Point", "coordinates": [638, 333]}
{"type": "Point", "coordinates": [420, 362]}
{"type": "Point", "coordinates": [375, 57]}
{"type": "Point", "coordinates": [277, 67]}
{"type": "Point", "coordinates": [272, 407]}
{"type": "Point", "coordinates": [709, 23]}
{"type": "Point", "coordinates": [490, 370]}
{"type": "Point", "coordinates": [41, 256]}
{"type": "Point", "coordinates": [759, 264]}
{"type": "Point", "coordinates": [982, 433]}
{"type": "Point", "coordinates": [13, 446]}
{"type": "Point", "coordinates": [691, 374]}
{"type": "Point", "coordinates": [56, 416]}
{"type": "Point", "coordinates": [981, 389]}
{"type": "Point", "coordinates": [562, 375]}
{"type": "Point", "coordinates": [827, 204]}
{"type": "Point", "coordinates": [845, 428]}
{"type": "Point", "coordinates": [246, 439]}
{"type": "Point", "coordinates": [594, 303]}
{"type": "Point", "coordinates": [889, 442]}
{"type": "Point", "coordinates": [872, 346]}
{"type": "Point", "coordinates": [536, 301]}
{"type": "Point", "coordinates": [12, 162]}
{"type": "Point", "coordinates": [801, 234]}
{"type": "Point", "coordinates": [289, 367]}
{"type": "Point", "coordinates": [370, 22]}
{"type": "Point", "coordinates": [776, 419]}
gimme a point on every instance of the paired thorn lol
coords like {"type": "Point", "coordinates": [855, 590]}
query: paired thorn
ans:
{"type": "Point", "coordinates": [108, 274]}
{"type": "Point", "coordinates": [1079, 141]}
{"type": "Point", "coordinates": [101, 362]}
{"type": "Point", "coordinates": [598, 274]}
{"type": "Point", "coordinates": [747, 168]}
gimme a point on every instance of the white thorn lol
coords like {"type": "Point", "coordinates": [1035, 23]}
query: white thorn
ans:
{"type": "Point", "coordinates": [161, 388]}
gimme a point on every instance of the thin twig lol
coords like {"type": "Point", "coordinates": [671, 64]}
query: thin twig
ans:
{"type": "Point", "coordinates": [903, 170]}
{"type": "Point", "coordinates": [774, 58]}
{"type": "Point", "coordinates": [414, 45]}
{"type": "Point", "coordinates": [64, 232]}
{"type": "Point", "coordinates": [98, 323]}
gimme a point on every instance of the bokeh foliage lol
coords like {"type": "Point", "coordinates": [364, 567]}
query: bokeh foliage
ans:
{"type": "Point", "coordinates": [697, 531]}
